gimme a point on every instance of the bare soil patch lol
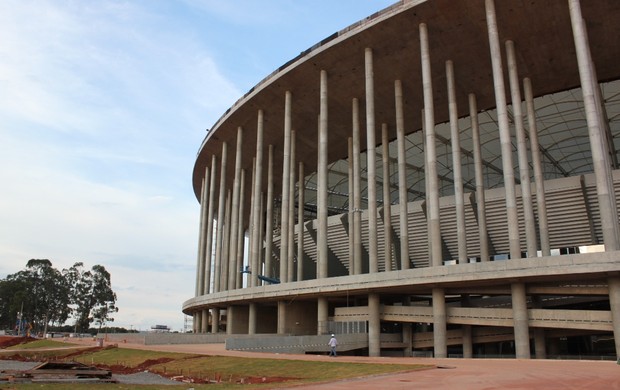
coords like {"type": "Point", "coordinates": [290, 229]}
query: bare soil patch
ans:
{"type": "Point", "coordinates": [9, 341]}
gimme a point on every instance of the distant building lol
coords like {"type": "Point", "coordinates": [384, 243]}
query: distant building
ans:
{"type": "Point", "coordinates": [385, 176]}
{"type": "Point", "coordinates": [160, 328]}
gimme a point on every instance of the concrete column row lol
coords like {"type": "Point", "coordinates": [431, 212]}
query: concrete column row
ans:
{"type": "Point", "coordinates": [223, 273]}
{"type": "Point", "coordinates": [598, 144]}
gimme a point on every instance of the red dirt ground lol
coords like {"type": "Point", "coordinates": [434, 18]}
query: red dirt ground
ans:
{"type": "Point", "coordinates": [9, 341]}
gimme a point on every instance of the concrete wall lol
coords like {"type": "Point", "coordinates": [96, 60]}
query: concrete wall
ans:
{"type": "Point", "coordinates": [163, 338]}
{"type": "Point", "coordinates": [267, 319]}
{"type": "Point", "coordinates": [301, 318]}
{"type": "Point", "coordinates": [238, 319]}
{"type": "Point", "coordinates": [122, 338]}
{"type": "Point", "coordinates": [296, 344]}
{"type": "Point", "coordinates": [184, 338]}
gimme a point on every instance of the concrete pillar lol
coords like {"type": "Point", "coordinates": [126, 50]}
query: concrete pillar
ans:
{"type": "Point", "coordinates": [524, 168]}
{"type": "Point", "coordinates": [322, 256]}
{"type": "Point", "coordinates": [291, 214]}
{"type": "Point", "coordinates": [200, 267]}
{"type": "Point", "coordinates": [614, 303]}
{"type": "Point", "coordinates": [225, 264]}
{"type": "Point", "coordinates": [236, 215]}
{"type": "Point", "coordinates": [504, 131]}
{"type": "Point", "coordinates": [300, 223]}
{"type": "Point", "coordinates": [520, 318]}
{"type": "Point", "coordinates": [468, 345]}
{"type": "Point", "coordinates": [269, 271]}
{"type": "Point", "coordinates": [539, 177]}
{"type": "Point", "coordinates": [351, 207]}
{"type": "Point", "coordinates": [256, 244]}
{"type": "Point", "coordinates": [210, 219]}
{"type": "Point", "coordinates": [387, 203]}
{"type": "Point", "coordinates": [196, 320]}
{"type": "Point", "coordinates": [402, 175]}
{"type": "Point", "coordinates": [241, 233]}
{"type": "Point", "coordinates": [459, 201]}
{"type": "Point", "coordinates": [407, 332]}
{"type": "Point", "coordinates": [605, 192]}
{"type": "Point", "coordinates": [539, 343]}
{"type": "Point", "coordinates": [215, 320]}
{"type": "Point", "coordinates": [219, 233]}
{"type": "Point", "coordinates": [430, 152]}
{"type": "Point", "coordinates": [374, 325]}
{"type": "Point", "coordinates": [480, 198]}
{"type": "Point", "coordinates": [230, 319]}
{"type": "Point", "coordinates": [408, 339]}
{"type": "Point", "coordinates": [261, 240]}
{"type": "Point", "coordinates": [322, 315]}
{"type": "Point", "coordinates": [429, 231]}
{"type": "Point", "coordinates": [281, 318]}
{"type": "Point", "coordinates": [611, 161]}
{"type": "Point", "coordinates": [286, 176]}
{"type": "Point", "coordinates": [357, 197]}
{"type": "Point", "coordinates": [252, 238]}
{"type": "Point", "coordinates": [540, 348]}
{"type": "Point", "coordinates": [440, 338]}
{"type": "Point", "coordinates": [252, 318]}
{"type": "Point", "coordinates": [371, 168]}
{"type": "Point", "coordinates": [204, 321]}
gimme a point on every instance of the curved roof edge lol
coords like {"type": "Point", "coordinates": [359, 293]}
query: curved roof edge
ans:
{"type": "Point", "coordinates": [310, 52]}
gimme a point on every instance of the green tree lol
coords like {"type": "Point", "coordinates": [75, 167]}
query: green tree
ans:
{"type": "Point", "coordinates": [91, 295]}
{"type": "Point", "coordinates": [80, 284]}
{"type": "Point", "coordinates": [47, 296]}
{"type": "Point", "coordinates": [41, 290]}
{"type": "Point", "coordinates": [105, 298]}
{"type": "Point", "coordinates": [12, 293]}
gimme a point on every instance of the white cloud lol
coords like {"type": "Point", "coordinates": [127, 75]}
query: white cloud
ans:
{"type": "Point", "coordinates": [102, 108]}
{"type": "Point", "coordinates": [148, 304]}
{"type": "Point", "coordinates": [101, 113]}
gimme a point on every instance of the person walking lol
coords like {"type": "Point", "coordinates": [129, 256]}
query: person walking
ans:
{"type": "Point", "coordinates": [333, 343]}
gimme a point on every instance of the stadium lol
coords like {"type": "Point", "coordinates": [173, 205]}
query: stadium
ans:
{"type": "Point", "coordinates": [438, 179]}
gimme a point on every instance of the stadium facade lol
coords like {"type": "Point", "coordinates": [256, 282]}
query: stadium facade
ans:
{"type": "Point", "coordinates": [439, 178]}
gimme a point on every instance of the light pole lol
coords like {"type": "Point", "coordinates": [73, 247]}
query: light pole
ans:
{"type": "Point", "coordinates": [45, 327]}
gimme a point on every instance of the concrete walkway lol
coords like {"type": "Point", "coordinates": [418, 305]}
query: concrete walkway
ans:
{"type": "Point", "coordinates": [449, 374]}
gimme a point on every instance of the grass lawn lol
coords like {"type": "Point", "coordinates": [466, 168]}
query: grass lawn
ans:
{"type": "Point", "coordinates": [38, 344]}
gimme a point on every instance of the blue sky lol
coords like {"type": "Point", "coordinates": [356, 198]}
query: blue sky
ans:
{"type": "Point", "coordinates": [103, 105]}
